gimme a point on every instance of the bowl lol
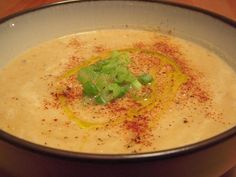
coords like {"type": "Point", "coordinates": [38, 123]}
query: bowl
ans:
{"type": "Point", "coordinates": [208, 158]}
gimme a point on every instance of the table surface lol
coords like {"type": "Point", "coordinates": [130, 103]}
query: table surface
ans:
{"type": "Point", "coordinates": [223, 7]}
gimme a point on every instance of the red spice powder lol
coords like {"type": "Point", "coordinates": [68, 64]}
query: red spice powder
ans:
{"type": "Point", "coordinates": [142, 63]}
{"type": "Point", "coordinates": [70, 93]}
{"type": "Point", "coordinates": [72, 62]}
{"type": "Point", "coordinates": [166, 48]}
{"type": "Point", "coordinates": [139, 126]}
{"type": "Point", "coordinates": [139, 45]}
{"type": "Point", "coordinates": [193, 90]}
{"type": "Point", "coordinates": [192, 87]}
{"type": "Point", "coordinates": [115, 107]}
{"type": "Point", "coordinates": [74, 43]}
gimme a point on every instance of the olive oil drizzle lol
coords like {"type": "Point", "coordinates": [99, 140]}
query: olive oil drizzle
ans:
{"type": "Point", "coordinates": [160, 97]}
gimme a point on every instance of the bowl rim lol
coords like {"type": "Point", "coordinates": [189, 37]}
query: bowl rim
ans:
{"type": "Point", "coordinates": [163, 154]}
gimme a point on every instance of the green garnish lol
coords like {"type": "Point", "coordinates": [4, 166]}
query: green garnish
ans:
{"type": "Point", "coordinates": [136, 84]}
{"type": "Point", "coordinates": [90, 89]}
{"type": "Point", "coordinates": [111, 92]}
{"type": "Point", "coordinates": [145, 79]}
{"type": "Point", "coordinates": [86, 74]}
{"type": "Point", "coordinates": [110, 78]}
{"type": "Point", "coordinates": [100, 100]}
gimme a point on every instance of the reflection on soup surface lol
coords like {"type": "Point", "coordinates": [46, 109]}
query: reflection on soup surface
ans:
{"type": "Point", "coordinates": [117, 91]}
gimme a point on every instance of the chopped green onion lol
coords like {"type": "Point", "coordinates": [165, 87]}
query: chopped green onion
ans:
{"type": "Point", "coordinates": [130, 78]}
{"type": "Point", "coordinates": [123, 91]}
{"type": "Point", "coordinates": [136, 84]}
{"type": "Point", "coordinates": [120, 74]}
{"type": "Point", "coordinates": [115, 89]}
{"type": "Point", "coordinates": [110, 78]}
{"type": "Point", "coordinates": [86, 74]}
{"type": "Point", "coordinates": [102, 81]}
{"type": "Point", "coordinates": [90, 89]}
{"type": "Point", "coordinates": [111, 92]}
{"type": "Point", "coordinates": [100, 100]}
{"type": "Point", "coordinates": [109, 68]}
{"type": "Point", "coordinates": [145, 79]}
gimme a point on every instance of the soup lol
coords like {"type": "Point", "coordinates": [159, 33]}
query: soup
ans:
{"type": "Point", "coordinates": [190, 94]}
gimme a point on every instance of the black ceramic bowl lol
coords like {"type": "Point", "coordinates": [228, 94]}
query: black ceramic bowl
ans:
{"type": "Point", "coordinates": [209, 158]}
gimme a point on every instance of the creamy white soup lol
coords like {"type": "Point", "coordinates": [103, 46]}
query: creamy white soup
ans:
{"type": "Point", "coordinates": [189, 94]}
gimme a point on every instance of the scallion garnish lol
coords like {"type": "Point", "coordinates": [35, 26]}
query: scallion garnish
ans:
{"type": "Point", "coordinates": [100, 100]}
{"type": "Point", "coordinates": [110, 78]}
{"type": "Point", "coordinates": [90, 89]}
{"type": "Point", "coordinates": [136, 84]}
{"type": "Point", "coordinates": [145, 79]}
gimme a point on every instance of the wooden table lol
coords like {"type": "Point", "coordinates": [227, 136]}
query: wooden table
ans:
{"type": "Point", "coordinates": [223, 7]}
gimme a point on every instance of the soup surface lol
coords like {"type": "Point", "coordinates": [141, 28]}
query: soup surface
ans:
{"type": "Point", "coordinates": [192, 96]}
